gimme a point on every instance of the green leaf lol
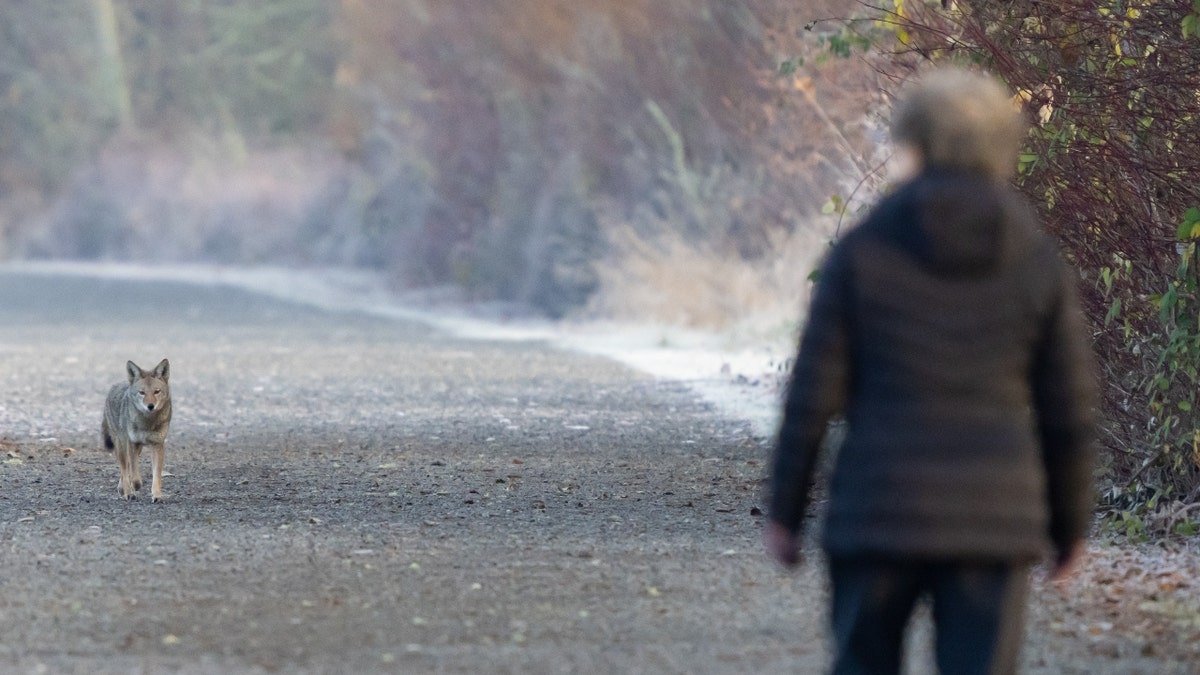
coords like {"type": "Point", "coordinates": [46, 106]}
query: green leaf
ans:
{"type": "Point", "coordinates": [1190, 227]}
{"type": "Point", "coordinates": [1166, 304]}
{"type": "Point", "coordinates": [1184, 406]}
{"type": "Point", "coordinates": [1026, 162]}
{"type": "Point", "coordinates": [1113, 311]}
{"type": "Point", "coordinates": [834, 205]}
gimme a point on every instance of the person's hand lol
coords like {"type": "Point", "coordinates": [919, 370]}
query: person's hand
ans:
{"type": "Point", "coordinates": [1067, 562]}
{"type": "Point", "coordinates": [782, 545]}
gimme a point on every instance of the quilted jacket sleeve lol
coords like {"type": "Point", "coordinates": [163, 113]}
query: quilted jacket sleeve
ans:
{"type": "Point", "coordinates": [817, 390]}
{"type": "Point", "coordinates": [1064, 389]}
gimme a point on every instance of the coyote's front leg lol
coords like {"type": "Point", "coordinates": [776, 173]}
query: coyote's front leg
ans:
{"type": "Point", "coordinates": [135, 467]}
{"type": "Point", "coordinates": [157, 453]}
{"type": "Point", "coordinates": [124, 461]}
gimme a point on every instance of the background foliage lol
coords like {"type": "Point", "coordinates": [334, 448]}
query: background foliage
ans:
{"type": "Point", "coordinates": [500, 148]}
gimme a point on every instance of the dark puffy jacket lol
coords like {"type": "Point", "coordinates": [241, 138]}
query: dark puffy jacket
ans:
{"type": "Point", "coordinates": [947, 330]}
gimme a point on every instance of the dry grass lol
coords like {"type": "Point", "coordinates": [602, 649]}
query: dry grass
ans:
{"type": "Point", "coordinates": [667, 279]}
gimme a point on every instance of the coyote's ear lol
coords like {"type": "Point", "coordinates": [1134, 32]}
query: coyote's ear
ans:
{"type": "Point", "coordinates": [162, 370]}
{"type": "Point", "coordinates": [133, 371]}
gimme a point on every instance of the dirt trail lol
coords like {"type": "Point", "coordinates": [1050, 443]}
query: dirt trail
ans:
{"type": "Point", "coordinates": [359, 494]}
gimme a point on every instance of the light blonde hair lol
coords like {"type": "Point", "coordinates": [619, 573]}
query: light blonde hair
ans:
{"type": "Point", "coordinates": [960, 120]}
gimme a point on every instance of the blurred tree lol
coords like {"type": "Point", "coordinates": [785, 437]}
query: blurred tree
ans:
{"type": "Point", "coordinates": [245, 67]}
{"type": "Point", "coordinates": [534, 125]}
{"type": "Point", "coordinates": [51, 110]}
{"type": "Point", "coordinates": [112, 63]}
{"type": "Point", "coordinates": [73, 72]}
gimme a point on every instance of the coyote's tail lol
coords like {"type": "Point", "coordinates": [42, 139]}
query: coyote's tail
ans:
{"type": "Point", "coordinates": [108, 441]}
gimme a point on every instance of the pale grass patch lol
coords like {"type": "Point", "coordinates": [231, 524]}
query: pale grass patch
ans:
{"type": "Point", "coordinates": [669, 280]}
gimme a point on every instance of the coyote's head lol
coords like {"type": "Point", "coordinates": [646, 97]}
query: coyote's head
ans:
{"type": "Point", "coordinates": [149, 387]}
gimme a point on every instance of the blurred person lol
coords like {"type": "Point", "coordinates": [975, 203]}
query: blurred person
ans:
{"type": "Point", "coordinates": [945, 328]}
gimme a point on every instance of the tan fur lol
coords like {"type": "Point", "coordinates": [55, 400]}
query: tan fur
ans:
{"type": "Point", "coordinates": [138, 415]}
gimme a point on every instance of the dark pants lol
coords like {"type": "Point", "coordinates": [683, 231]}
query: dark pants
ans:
{"type": "Point", "coordinates": [978, 613]}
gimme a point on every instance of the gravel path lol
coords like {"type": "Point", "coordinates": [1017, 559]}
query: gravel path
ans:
{"type": "Point", "coordinates": [351, 494]}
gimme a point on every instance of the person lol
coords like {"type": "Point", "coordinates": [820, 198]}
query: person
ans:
{"type": "Point", "coordinates": [945, 329]}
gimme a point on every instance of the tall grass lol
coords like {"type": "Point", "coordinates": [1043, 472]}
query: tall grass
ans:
{"type": "Point", "coordinates": [710, 286]}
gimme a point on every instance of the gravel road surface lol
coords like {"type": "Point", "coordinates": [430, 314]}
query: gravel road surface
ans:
{"type": "Point", "coordinates": [349, 494]}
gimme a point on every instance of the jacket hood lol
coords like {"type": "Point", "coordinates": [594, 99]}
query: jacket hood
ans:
{"type": "Point", "coordinates": [964, 223]}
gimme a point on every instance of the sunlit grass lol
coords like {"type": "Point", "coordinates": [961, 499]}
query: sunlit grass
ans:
{"type": "Point", "coordinates": [669, 280]}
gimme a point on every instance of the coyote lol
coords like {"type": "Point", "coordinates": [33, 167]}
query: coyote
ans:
{"type": "Point", "coordinates": [138, 415]}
